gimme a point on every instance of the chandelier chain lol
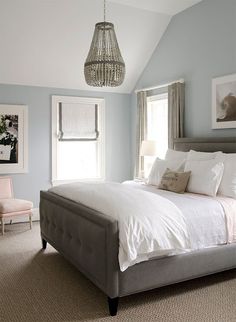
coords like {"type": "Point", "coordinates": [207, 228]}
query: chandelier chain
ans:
{"type": "Point", "coordinates": [104, 10]}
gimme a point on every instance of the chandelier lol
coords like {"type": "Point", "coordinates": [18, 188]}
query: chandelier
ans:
{"type": "Point", "coordinates": [104, 65]}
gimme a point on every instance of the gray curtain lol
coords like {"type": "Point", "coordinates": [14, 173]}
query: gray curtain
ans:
{"type": "Point", "coordinates": [141, 131]}
{"type": "Point", "coordinates": [176, 105]}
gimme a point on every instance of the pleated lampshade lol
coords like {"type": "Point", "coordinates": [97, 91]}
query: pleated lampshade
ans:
{"type": "Point", "coordinates": [104, 65]}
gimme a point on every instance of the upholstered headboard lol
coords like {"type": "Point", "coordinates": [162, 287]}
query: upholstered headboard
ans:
{"type": "Point", "coordinates": [226, 145]}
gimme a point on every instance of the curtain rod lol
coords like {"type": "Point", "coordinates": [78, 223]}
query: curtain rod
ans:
{"type": "Point", "coordinates": [159, 86]}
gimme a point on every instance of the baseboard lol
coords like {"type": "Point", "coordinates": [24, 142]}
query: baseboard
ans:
{"type": "Point", "coordinates": [22, 219]}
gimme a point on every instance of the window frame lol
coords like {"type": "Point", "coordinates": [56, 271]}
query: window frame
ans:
{"type": "Point", "coordinates": [157, 97]}
{"type": "Point", "coordinates": [55, 134]}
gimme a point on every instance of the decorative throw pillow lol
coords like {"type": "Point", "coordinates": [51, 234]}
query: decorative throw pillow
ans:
{"type": "Point", "coordinates": [174, 181]}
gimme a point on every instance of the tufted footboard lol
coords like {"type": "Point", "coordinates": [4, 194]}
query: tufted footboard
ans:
{"type": "Point", "coordinates": [88, 239]}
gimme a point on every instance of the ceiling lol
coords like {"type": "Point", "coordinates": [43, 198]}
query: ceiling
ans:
{"type": "Point", "coordinates": [45, 43]}
{"type": "Point", "coordinates": [169, 7]}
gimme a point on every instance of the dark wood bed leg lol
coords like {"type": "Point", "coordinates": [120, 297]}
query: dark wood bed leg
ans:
{"type": "Point", "coordinates": [113, 305]}
{"type": "Point", "coordinates": [44, 243]}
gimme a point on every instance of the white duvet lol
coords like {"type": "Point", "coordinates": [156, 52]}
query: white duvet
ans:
{"type": "Point", "coordinates": [155, 223]}
{"type": "Point", "coordinates": [205, 216]}
{"type": "Point", "coordinates": [149, 224]}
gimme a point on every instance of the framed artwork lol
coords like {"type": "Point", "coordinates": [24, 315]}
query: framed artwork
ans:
{"type": "Point", "coordinates": [224, 102]}
{"type": "Point", "coordinates": [13, 138]}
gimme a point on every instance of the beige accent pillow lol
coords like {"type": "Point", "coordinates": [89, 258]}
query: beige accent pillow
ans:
{"type": "Point", "coordinates": [174, 181]}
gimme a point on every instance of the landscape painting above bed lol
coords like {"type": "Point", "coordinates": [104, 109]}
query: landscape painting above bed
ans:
{"type": "Point", "coordinates": [224, 102]}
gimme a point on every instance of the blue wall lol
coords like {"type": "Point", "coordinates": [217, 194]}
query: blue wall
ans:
{"type": "Point", "coordinates": [38, 99]}
{"type": "Point", "coordinates": [198, 45]}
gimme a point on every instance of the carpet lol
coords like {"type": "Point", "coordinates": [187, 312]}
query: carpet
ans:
{"type": "Point", "coordinates": [38, 285]}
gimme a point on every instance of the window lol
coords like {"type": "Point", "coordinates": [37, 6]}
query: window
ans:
{"type": "Point", "coordinates": [77, 138]}
{"type": "Point", "coordinates": [157, 125]}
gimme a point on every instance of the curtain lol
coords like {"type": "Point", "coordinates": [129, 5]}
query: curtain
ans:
{"type": "Point", "coordinates": [176, 104]}
{"type": "Point", "coordinates": [141, 131]}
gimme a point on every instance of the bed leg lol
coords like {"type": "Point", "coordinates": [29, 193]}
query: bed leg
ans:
{"type": "Point", "coordinates": [113, 305]}
{"type": "Point", "coordinates": [44, 243]}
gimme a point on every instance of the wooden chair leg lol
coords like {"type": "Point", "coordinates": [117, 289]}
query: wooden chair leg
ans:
{"type": "Point", "coordinates": [30, 220]}
{"type": "Point", "coordinates": [2, 225]}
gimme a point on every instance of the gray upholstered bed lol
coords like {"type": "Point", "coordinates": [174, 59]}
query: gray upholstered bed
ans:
{"type": "Point", "coordinates": [89, 240]}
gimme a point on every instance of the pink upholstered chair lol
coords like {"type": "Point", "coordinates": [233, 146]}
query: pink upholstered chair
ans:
{"type": "Point", "coordinates": [10, 207]}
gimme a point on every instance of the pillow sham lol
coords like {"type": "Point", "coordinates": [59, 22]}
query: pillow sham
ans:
{"type": "Point", "coordinates": [205, 177]}
{"type": "Point", "coordinates": [198, 156]}
{"type": "Point", "coordinates": [176, 155]}
{"type": "Point", "coordinates": [228, 183]}
{"type": "Point", "coordinates": [174, 181]}
{"type": "Point", "coordinates": [159, 167]}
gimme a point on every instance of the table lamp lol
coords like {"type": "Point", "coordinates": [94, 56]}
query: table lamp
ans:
{"type": "Point", "coordinates": [148, 149]}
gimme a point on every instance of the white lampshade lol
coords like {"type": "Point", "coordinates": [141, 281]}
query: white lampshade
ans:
{"type": "Point", "coordinates": [148, 148]}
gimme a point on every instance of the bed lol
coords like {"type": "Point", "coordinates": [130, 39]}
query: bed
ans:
{"type": "Point", "coordinates": [89, 239]}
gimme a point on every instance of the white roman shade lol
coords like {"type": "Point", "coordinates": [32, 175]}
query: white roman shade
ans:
{"type": "Point", "coordinates": [78, 122]}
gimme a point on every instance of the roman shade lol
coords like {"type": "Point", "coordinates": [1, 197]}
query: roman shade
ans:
{"type": "Point", "coordinates": [78, 122]}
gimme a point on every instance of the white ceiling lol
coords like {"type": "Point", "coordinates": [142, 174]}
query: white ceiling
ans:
{"type": "Point", "coordinates": [170, 7]}
{"type": "Point", "coordinates": [45, 43]}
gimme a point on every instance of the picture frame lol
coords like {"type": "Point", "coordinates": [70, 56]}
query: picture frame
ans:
{"type": "Point", "coordinates": [13, 139]}
{"type": "Point", "coordinates": [224, 102]}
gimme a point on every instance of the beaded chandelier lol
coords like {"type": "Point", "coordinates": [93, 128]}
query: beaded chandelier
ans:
{"type": "Point", "coordinates": [104, 65]}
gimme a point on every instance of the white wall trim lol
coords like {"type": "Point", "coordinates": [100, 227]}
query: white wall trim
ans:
{"type": "Point", "coordinates": [157, 97]}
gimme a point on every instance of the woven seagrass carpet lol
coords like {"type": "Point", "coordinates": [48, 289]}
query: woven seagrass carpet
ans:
{"type": "Point", "coordinates": [43, 286]}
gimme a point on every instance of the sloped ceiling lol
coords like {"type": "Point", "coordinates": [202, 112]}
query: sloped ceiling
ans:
{"type": "Point", "coordinates": [45, 43]}
{"type": "Point", "coordinates": [169, 7]}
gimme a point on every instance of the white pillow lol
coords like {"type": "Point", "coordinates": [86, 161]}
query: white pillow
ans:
{"type": "Point", "coordinates": [176, 155]}
{"type": "Point", "coordinates": [159, 167]}
{"type": "Point", "coordinates": [198, 156]}
{"type": "Point", "coordinates": [228, 182]}
{"type": "Point", "coordinates": [205, 176]}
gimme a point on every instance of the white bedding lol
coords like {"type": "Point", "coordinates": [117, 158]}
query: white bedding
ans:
{"type": "Point", "coordinates": [204, 215]}
{"type": "Point", "coordinates": [152, 222]}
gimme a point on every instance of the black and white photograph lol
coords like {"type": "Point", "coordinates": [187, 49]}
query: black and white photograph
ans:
{"type": "Point", "coordinates": [8, 138]}
{"type": "Point", "coordinates": [224, 102]}
{"type": "Point", "coordinates": [13, 138]}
